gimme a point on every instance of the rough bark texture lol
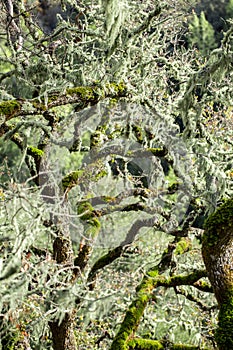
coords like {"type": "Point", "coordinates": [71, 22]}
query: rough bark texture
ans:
{"type": "Point", "coordinates": [217, 253]}
{"type": "Point", "coordinates": [63, 333]}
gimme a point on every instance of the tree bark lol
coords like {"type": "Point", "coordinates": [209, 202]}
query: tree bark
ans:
{"type": "Point", "coordinates": [217, 251]}
{"type": "Point", "coordinates": [63, 333]}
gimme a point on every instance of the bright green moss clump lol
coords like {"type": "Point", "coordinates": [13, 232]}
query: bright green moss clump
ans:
{"type": "Point", "coordinates": [8, 108]}
{"type": "Point", "coordinates": [71, 179]}
{"type": "Point", "coordinates": [85, 209]}
{"type": "Point", "coordinates": [183, 246]}
{"type": "Point", "coordinates": [146, 344]}
{"type": "Point", "coordinates": [86, 93]}
{"type": "Point", "coordinates": [89, 216]}
{"type": "Point", "coordinates": [35, 152]}
{"type": "Point", "coordinates": [91, 93]}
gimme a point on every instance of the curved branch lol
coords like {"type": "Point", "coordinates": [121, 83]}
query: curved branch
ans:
{"type": "Point", "coordinates": [150, 281]}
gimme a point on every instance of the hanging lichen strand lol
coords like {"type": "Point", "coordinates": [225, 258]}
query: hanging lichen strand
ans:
{"type": "Point", "coordinates": [217, 252]}
{"type": "Point", "coordinates": [115, 15]}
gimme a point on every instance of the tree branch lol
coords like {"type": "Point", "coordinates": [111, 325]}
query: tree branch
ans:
{"type": "Point", "coordinates": [150, 281]}
{"type": "Point", "coordinates": [82, 96]}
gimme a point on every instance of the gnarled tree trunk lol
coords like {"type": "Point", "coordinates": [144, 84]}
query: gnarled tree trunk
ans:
{"type": "Point", "coordinates": [217, 253]}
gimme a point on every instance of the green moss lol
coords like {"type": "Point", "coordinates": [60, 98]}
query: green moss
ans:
{"type": "Point", "coordinates": [98, 136]}
{"type": "Point", "coordinates": [218, 223]}
{"type": "Point", "coordinates": [153, 273]}
{"type": "Point", "coordinates": [217, 254]}
{"type": "Point", "coordinates": [224, 332]}
{"type": "Point", "coordinates": [71, 179]}
{"type": "Point", "coordinates": [113, 102]}
{"type": "Point", "coordinates": [93, 228]}
{"type": "Point", "coordinates": [99, 175]}
{"type": "Point", "coordinates": [187, 347]}
{"type": "Point", "coordinates": [85, 209]}
{"type": "Point", "coordinates": [145, 344]}
{"type": "Point", "coordinates": [88, 215]}
{"type": "Point", "coordinates": [119, 89]}
{"type": "Point", "coordinates": [38, 105]}
{"type": "Point", "coordinates": [135, 312]}
{"type": "Point", "coordinates": [131, 321]}
{"type": "Point", "coordinates": [92, 93]}
{"type": "Point", "coordinates": [35, 152]}
{"type": "Point", "coordinates": [108, 199]}
{"type": "Point", "coordinates": [11, 340]}
{"type": "Point", "coordinates": [183, 246]}
{"type": "Point", "coordinates": [86, 93]}
{"type": "Point", "coordinates": [9, 108]}
{"type": "Point", "coordinates": [138, 133]}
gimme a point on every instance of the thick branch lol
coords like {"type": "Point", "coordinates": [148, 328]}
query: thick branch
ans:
{"type": "Point", "coordinates": [143, 344]}
{"type": "Point", "coordinates": [151, 280]}
{"type": "Point", "coordinates": [82, 96]}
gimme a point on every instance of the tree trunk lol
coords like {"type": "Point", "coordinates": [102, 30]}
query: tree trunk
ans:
{"type": "Point", "coordinates": [63, 333]}
{"type": "Point", "coordinates": [217, 253]}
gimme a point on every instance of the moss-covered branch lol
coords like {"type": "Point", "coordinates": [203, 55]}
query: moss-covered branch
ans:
{"type": "Point", "coordinates": [137, 307]}
{"type": "Point", "coordinates": [82, 96]}
{"type": "Point", "coordinates": [147, 344]}
{"type": "Point", "coordinates": [92, 173]}
{"type": "Point", "coordinates": [151, 280]}
{"type": "Point", "coordinates": [104, 261]}
{"type": "Point", "coordinates": [181, 280]}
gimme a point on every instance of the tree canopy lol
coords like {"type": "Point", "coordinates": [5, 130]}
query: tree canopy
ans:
{"type": "Point", "coordinates": [116, 147]}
